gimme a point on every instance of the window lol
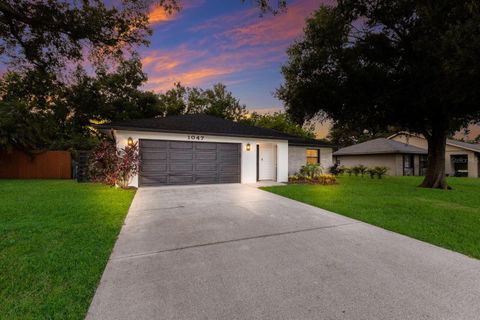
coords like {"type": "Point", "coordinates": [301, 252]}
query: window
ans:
{"type": "Point", "coordinates": [313, 156]}
{"type": "Point", "coordinates": [423, 165]}
{"type": "Point", "coordinates": [460, 165]}
{"type": "Point", "coordinates": [408, 169]}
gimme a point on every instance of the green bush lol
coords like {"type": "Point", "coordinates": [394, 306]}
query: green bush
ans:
{"type": "Point", "coordinates": [378, 172]}
{"type": "Point", "coordinates": [310, 170]}
{"type": "Point", "coordinates": [381, 171]}
{"type": "Point", "coordinates": [359, 170]}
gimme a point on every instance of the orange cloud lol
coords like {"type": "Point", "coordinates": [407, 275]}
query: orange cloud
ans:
{"type": "Point", "coordinates": [158, 14]}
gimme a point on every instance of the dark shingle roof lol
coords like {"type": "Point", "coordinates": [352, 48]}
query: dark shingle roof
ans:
{"type": "Point", "coordinates": [204, 124]}
{"type": "Point", "coordinates": [379, 146]}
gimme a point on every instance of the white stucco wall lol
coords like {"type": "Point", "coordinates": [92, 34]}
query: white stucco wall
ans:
{"type": "Point", "coordinates": [248, 158]}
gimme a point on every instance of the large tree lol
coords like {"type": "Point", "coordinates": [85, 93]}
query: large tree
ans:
{"type": "Point", "coordinates": [280, 121]}
{"type": "Point", "coordinates": [216, 101]}
{"type": "Point", "coordinates": [48, 100]}
{"type": "Point", "coordinates": [410, 64]}
{"type": "Point", "coordinates": [346, 134]}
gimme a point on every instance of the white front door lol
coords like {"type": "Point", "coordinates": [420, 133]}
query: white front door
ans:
{"type": "Point", "coordinates": [267, 161]}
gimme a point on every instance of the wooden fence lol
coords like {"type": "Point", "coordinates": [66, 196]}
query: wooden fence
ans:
{"type": "Point", "coordinates": [46, 165]}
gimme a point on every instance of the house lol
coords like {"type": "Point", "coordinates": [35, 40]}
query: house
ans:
{"type": "Point", "coordinates": [198, 149]}
{"type": "Point", "coordinates": [405, 154]}
{"type": "Point", "coordinates": [461, 159]}
{"type": "Point", "coordinates": [401, 159]}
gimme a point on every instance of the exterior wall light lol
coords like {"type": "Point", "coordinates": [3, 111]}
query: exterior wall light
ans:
{"type": "Point", "coordinates": [130, 141]}
{"type": "Point", "coordinates": [248, 147]}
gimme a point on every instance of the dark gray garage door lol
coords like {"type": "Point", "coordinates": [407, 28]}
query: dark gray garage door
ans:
{"type": "Point", "coordinates": [165, 162]}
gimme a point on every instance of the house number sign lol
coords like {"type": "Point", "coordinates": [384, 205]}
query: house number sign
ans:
{"type": "Point", "coordinates": [198, 138]}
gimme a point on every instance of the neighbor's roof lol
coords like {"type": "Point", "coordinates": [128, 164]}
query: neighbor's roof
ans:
{"type": "Point", "coordinates": [208, 125]}
{"type": "Point", "coordinates": [379, 146]}
{"type": "Point", "coordinates": [464, 145]}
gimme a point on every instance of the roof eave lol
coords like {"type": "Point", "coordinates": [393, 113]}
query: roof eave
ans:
{"type": "Point", "coordinates": [189, 132]}
{"type": "Point", "coordinates": [379, 152]}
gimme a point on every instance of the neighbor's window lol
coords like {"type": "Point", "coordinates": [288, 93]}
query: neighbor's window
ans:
{"type": "Point", "coordinates": [408, 168]}
{"type": "Point", "coordinates": [313, 156]}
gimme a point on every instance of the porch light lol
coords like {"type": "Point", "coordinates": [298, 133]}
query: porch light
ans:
{"type": "Point", "coordinates": [248, 147]}
{"type": "Point", "coordinates": [130, 141]}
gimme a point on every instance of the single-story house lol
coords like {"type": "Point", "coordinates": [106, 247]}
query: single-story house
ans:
{"type": "Point", "coordinates": [405, 154]}
{"type": "Point", "coordinates": [462, 158]}
{"type": "Point", "coordinates": [400, 158]}
{"type": "Point", "coordinates": [201, 149]}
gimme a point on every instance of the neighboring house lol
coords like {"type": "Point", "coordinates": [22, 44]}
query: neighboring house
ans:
{"type": "Point", "coordinates": [401, 159]}
{"type": "Point", "coordinates": [406, 154]}
{"type": "Point", "coordinates": [197, 149]}
{"type": "Point", "coordinates": [461, 158]}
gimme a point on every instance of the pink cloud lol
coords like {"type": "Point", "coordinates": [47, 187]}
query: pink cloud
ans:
{"type": "Point", "coordinates": [281, 28]}
{"type": "Point", "coordinates": [236, 43]}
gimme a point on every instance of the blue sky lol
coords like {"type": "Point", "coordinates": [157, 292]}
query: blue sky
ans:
{"type": "Point", "coordinates": [227, 41]}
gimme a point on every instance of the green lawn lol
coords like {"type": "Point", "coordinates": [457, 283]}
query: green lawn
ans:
{"type": "Point", "coordinates": [450, 219]}
{"type": "Point", "coordinates": [55, 240]}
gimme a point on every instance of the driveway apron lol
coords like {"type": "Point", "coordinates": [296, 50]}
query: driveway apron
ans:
{"type": "Point", "coordinates": [237, 252]}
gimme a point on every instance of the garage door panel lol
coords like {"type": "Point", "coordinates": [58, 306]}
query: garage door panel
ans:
{"type": "Point", "coordinates": [228, 147]}
{"type": "Point", "coordinates": [211, 167]}
{"type": "Point", "coordinates": [158, 144]}
{"type": "Point", "coordinates": [229, 169]}
{"type": "Point", "coordinates": [206, 156]}
{"type": "Point", "coordinates": [154, 155]}
{"type": "Point", "coordinates": [181, 145]}
{"type": "Point", "coordinates": [181, 167]}
{"type": "Point", "coordinates": [228, 179]}
{"type": "Point", "coordinates": [206, 146]}
{"type": "Point", "coordinates": [179, 163]}
{"type": "Point", "coordinates": [154, 167]}
{"type": "Point", "coordinates": [175, 155]}
{"type": "Point", "coordinates": [153, 179]}
{"type": "Point", "coordinates": [199, 179]}
{"type": "Point", "coordinates": [180, 179]}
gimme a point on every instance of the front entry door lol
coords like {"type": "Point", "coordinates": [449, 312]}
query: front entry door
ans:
{"type": "Point", "coordinates": [267, 161]}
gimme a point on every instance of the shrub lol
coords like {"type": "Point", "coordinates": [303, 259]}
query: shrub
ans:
{"type": "Point", "coordinates": [380, 171]}
{"type": "Point", "coordinates": [372, 172]}
{"type": "Point", "coordinates": [327, 179]}
{"type": "Point", "coordinates": [103, 163]}
{"type": "Point", "coordinates": [310, 170]}
{"type": "Point", "coordinates": [349, 171]}
{"type": "Point", "coordinates": [336, 169]}
{"type": "Point", "coordinates": [111, 166]}
{"type": "Point", "coordinates": [127, 165]}
{"type": "Point", "coordinates": [360, 169]}
{"type": "Point", "coordinates": [293, 179]}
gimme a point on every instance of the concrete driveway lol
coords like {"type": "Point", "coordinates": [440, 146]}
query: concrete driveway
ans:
{"type": "Point", "coordinates": [236, 252]}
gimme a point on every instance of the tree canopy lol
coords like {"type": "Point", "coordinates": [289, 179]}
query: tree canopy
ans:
{"type": "Point", "coordinates": [280, 121]}
{"type": "Point", "coordinates": [409, 64]}
{"type": "Point", "coordinates": [74, 63]}
{"type": "Point", "coordinates": [216, 101]}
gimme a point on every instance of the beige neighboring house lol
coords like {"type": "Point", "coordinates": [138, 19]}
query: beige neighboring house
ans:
{"type": "Point", "coordinates": [406, 155]}
{"type": "Point", "coordinates": [401, 159]}
{"type": "Point", "coordinates": [461, 158]}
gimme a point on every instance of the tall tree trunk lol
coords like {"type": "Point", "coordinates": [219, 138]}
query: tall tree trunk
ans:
{"type": "Point", "coordinates": [435, 177]}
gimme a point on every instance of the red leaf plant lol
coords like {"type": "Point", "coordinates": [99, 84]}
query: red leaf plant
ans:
{"type": "Point", "coordinates": [111, 166]}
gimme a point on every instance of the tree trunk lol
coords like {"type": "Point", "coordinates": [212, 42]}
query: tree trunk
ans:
{"type": "Point", "coordinates": [435, 177]}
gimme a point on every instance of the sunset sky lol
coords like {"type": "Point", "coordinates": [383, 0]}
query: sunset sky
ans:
{"type": "Point", "coordinates": [226, 41]}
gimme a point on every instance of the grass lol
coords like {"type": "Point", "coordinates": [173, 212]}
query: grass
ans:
{"type": "Point", "coordinates": [450, 219]}
{"type": "Point", "coordinates": [55, 240]}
